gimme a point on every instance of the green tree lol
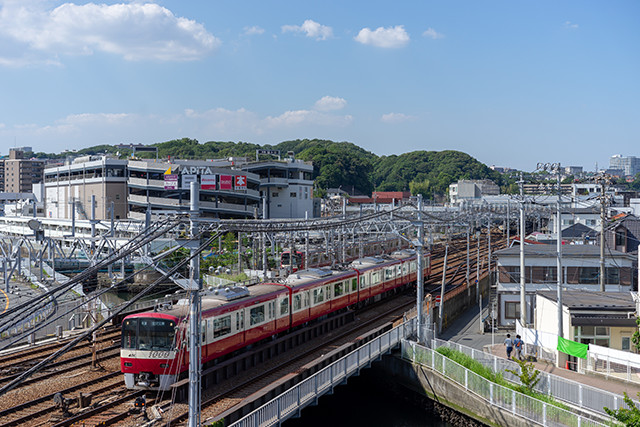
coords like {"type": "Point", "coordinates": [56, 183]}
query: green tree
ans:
{"type": "Point", "coordinates": [629, 417]}
{"type": "Point", "coordinates": [529, 375]}
{"type": "Point", "coordinates": [420, 187]}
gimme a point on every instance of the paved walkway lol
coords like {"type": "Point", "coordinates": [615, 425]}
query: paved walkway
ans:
{"type": "Point", "coordinates": [600, 382]}
{"type": "Point", "coordinates": [466, 331]}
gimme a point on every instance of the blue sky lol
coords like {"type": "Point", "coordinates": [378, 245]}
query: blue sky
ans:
{"type": "Point", "coordinates": [512, 83]}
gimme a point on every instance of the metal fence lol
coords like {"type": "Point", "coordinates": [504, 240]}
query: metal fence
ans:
{"type": "Point", "coordinates": [583, 396]}
{"type": "Point", "coordinates": [292, 401]}
{"type": "Point", "coordinates": [520, 405]}
{"type": "Point", "coordinates": [612, 363]}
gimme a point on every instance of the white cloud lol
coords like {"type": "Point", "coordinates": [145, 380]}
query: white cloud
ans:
{"type": "Point", "coordinates": [252, 31]}
{"type": "Point", "coordinates": [88, 129]}
{"type": "Point", "coordinates": [135, 31]}
{"type": "Point", "coordinates": [396, 118]}
{"type": "Point", "coordinates": [431, 33]}
{"type": "Point", "coordinates": [392, 37]}
{"type": "Point", "coordinates": [329, 103]}
{"type": "Point", "coordinates": [311, 29]}
{"type": "Point", "coordinates": [570, 25]}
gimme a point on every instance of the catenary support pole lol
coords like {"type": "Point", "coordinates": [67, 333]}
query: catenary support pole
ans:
{"type": "Point", "coordinates": [194, 314]}
{"type": "Point", "coordinates": [420, 274]}
{"type": "Point", "coordinates": [444, 284]}
{"type": "Point", "coordinates": [559, 249]}
{"type": "Point", "coordinates": [523, 302]}
{"type": "Point", "coordinates": [602, 219]}
{"type": "Point", "coordinates": [468, 266]}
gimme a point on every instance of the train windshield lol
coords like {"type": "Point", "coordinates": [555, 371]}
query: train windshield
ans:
{"type": "Point", "coordinates": [148, 334]}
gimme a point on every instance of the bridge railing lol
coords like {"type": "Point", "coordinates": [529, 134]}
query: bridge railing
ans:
{"type": "Point", "coordinates": [292, 401]}
{"type": "Point", "coordinates": [520, 405]}
{"type": "Point", "coordinates": [583, 396]}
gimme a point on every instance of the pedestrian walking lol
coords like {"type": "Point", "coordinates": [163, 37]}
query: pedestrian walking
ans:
{"type": "Point", "coordinates": [509, 344]}
{"type": "Point", "coordinates": [519, 345]}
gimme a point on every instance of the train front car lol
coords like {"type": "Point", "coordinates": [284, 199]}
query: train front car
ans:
{"type": "Point", "coordinates": [298, 260]}
{"type": "Point", "coordinates": [149, 358]}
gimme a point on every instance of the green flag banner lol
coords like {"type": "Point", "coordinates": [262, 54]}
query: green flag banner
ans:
{"type": "Point", "coordinates": [572, 348]}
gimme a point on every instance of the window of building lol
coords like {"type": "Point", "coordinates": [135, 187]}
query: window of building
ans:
{"type": "Point", "coordinates": [620, 236]}
{"type": "Point", "coordinates": [274, 194]}
{"type": "Point", "coordinates": [292, 195]}
{"type": "Point", "coordinates": [589, 275]}
{"type": "Point", "coordinates": [598, 335]}
{"type": "Point", "coordinates": [511, 310]}
{"type": "Point", "coordinates": [612, 275]}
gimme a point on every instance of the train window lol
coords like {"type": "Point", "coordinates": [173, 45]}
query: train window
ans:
{"type": "Point", "coordinates": [413, 266]}
{"type": "Point", "coordinates": [240, 320]}
{"type": "Point", "coordinates": [363, 281]}
{"type": "Point", "coordinates": [388, 273]}
{"type": "Point", "coordinates": [375, 278]}
{"type": "Point", "coordinates": [327, 291]}
{"type": "Point", "coordinates": [256, 315]}
{"type": "Point", "coordinates": [354, 285]}
{"type": "Point", "coordinates": [318, 295]}
{"type": "Point", "coordinates": [129, 333]}
{"type": "Point", "coordinates": [203, 329]}
{"type": "Point", "coordinates": [297, 302]}
{"type": "Point", "coordinates": [305, 301]}
{"type": "Point", "coordinates": [399, 270]}
{"type": "Point", "coordinates": [284, 306]}
{"type": "Point", "coordinates": [222, 326]}
{"type": "Point", "coordinates": [338, 289]}
{"type": "Point", "coordinates": [155, 334]}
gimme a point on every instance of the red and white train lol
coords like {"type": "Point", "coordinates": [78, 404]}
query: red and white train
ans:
{"type": "Point", "coordinates": [154, 344]}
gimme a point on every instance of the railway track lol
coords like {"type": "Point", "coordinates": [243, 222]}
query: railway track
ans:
{"type": "Point", "coordinates": [23, 359]}
{"type": "Point", "coordinates": [214, 404]}
{"type": "Point", "coordinates": [38, 411]}
{"type": "Point", "coordinates": [64, 366]}
{"type": "Point", "coordinates": [118, 409]}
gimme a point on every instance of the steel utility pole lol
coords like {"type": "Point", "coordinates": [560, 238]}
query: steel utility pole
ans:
{"type": "Point", "coordinates": [194, 313]}
{"type": "Point", "coordinates": [555, 167]}
{"type": "Point", "coordinates": [467, 276]}
{"type": "Point", "coordinates": [508, 222]}
{"type": "Point", "coordinates": [602, 219]}
{"type": "Point", "coordinates": [559, 248]}
{"type": "Point", "coordinates": [523, 297]}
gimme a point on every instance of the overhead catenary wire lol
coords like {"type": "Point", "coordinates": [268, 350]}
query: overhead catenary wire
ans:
{"type": "Point", "coordinates": [97, 326]}
{"type": "Point", "coordinates": [33, 305]}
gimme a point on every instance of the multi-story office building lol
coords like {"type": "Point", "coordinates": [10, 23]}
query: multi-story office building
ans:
{"type": "Point", "coordinates": [18, 174]}
{"type": "Point", "coordinates": [225, 192]}
{"type": "Point", "coordinates": [74, 184]}
{"type": "Point", "coordinates": [630, 165]}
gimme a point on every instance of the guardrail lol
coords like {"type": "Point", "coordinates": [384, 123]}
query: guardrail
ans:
{"type": "Point", "coordinates": [520, 405]}
{"type": "Point", "coordinates": [292, 401]}
{"type": "Point", "coordinates": [610, 362]}
{"type": "Point", "coordinates": [572, 392]}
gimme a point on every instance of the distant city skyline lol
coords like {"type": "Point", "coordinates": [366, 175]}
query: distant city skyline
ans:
{"type": "Point", "coordinates": [511, 84]}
